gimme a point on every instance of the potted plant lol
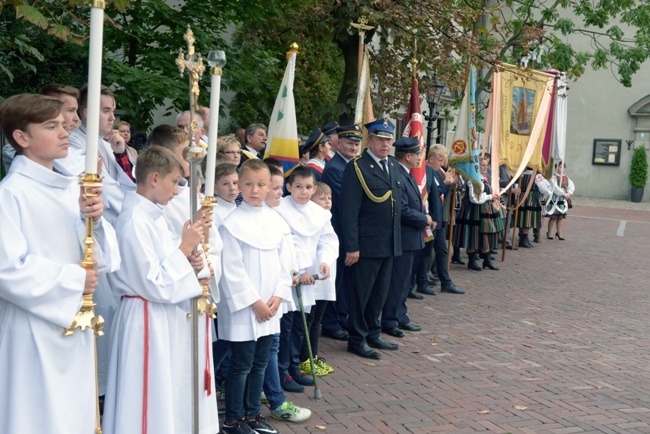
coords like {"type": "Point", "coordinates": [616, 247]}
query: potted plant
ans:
{"type": "Point", "coordinates": [638, 173]}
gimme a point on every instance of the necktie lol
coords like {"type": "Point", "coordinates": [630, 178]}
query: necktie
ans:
{"type": "Point", "coordinates": [384, 168]}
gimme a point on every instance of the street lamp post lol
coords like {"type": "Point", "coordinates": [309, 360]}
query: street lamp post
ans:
{"type": "Point", "coordinates": [438, 89]}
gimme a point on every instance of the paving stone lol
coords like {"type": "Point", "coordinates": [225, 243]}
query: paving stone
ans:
{"type": "Point", "coordinates": [561, 329]}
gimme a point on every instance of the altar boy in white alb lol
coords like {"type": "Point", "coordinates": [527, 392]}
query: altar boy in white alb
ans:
{"type": "Point", "coordinates": [178, 212]}
{"type": "Point", "coordinates": [256, 278]}
{"type": "Point", "coordinates": [317, 248]}
{"type": "Point", "coordinates": [47, 379]}
{"type": "Point", "coordinates": [149, 345]}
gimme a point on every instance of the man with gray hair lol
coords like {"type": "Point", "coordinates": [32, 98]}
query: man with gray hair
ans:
{"type": "Point", "coordinates": [255, 142]}
{"type": "Point", "coordinates": [183, 121]}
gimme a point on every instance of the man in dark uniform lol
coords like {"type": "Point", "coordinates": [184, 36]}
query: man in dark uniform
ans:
{"type": "Point", "coordinates": [437, 157]}
{"type": "Point", "coordinates": [335, 318]}
{"type": "Point", "coordinates": [370, 218]}
{"type": "Point", "coordinates": [413, 222]}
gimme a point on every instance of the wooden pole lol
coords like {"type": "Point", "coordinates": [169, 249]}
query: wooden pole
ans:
{"type": "Point", "coordinates": [505, 229]}
{"type": "Point", "coordinates": [452, 221]}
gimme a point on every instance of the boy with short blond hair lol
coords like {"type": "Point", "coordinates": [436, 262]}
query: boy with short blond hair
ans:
{"type": "Point", "coordinates": [280, 407]}
{"type": "Point", "coordinates": [148, 366]}
{"type": "Point", "coordinates": [47, 379]}
{"type": "Point", "coordinates": [256, 278]}
{"type": "Point", "coordinates": [178, 212]}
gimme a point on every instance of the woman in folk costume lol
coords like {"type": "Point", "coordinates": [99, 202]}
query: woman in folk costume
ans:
{"type": "Point", "coordinates": [478, 223]}
{"type": "Point", "coordinates": [558, 205]}
{"type": "Point", "coordinates": [530, 212]}
{"type": "Point", "coordinates": [318, 147]}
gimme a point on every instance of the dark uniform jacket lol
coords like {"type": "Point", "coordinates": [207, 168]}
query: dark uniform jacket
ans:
{"type": "Point", "coordinates": [333, 176]}
{"type": "Point", "coordinates": [369, 227]}
{"type": "Point", "coordinates": [414, 220]}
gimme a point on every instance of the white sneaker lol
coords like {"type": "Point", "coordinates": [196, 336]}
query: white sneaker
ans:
{"type": "Point", "coordinates": [290, 412]}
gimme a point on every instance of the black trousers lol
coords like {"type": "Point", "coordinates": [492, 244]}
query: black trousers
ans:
{"type": "Point", "coordinates": [370, 280]}
{"type": "Point", "coordinates": [440, 247]}
{"type": "Point", "coordinates": [394, 312]}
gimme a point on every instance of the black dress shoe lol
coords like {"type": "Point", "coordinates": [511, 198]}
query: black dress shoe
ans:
{"type": "Point", "coordinates": [452, 289]}
{"type": "Point", "coordinates": [394, 332]}
{"type": "Point", "coordinates": [410, 327]}
{"type": "Point", "coordinates": [339, 335]}
{"type": "Point", "coordinates": [414, 295]}
{"type": "Point", "coordinates": [364, 350]}
{"type": "Point", "coordinates": [434, 282]}
{"type": "Point", "coordinates": [381, 344]}
{"type": "Point", "coordinates": [425, 290]}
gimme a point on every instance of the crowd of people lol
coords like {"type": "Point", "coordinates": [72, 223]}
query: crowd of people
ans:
{"type": "Point", "coordinates": [334, 248]}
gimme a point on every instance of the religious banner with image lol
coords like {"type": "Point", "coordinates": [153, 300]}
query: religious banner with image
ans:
{"type": "Point", "coordinates": [522, 95]}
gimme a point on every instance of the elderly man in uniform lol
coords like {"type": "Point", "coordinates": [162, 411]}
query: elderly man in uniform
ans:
{"type": "Point", "coordinates": [414, 221]}
{"type": "Point", "coordinates": [370, 218]}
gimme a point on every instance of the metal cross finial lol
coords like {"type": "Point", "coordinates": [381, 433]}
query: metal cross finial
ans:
{"type": "Point", "coordinates": [193, 63]}
{"type": "Point", "coordinates": [362, 26]}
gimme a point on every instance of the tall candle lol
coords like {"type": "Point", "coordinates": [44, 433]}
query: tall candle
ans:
{"type": "Point", "coordinates": [216, 59]}
{"type": "Point", "coordinates": [94, 84]}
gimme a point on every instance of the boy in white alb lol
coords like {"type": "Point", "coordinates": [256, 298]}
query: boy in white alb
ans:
{"type": "Point", "coordinates": [277, 400]}
{"type": "Point", "coordinates": [47, 379]}
{"type": "Point", "coordinates": [324, 292]}
{"type": "Point", "coordinates": [226, 188]}
{"type": "Point", "coordinates": [316, 248]}
{"type": "Point", "coordinates": [147, 369]}
{"type": "Point", "coordinates": [256, 278]}
{"type": "Point", "coordinates": [177, 213]}
{"type": "Point", "coordinates": [114, 183]}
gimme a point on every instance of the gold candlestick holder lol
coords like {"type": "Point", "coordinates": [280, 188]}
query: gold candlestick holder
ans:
{"type": "Point", "coordinates": [86, 317]}
{"type": "Point", "coordinates": [205, 305]}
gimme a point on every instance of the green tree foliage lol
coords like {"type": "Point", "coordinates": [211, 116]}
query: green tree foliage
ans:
{"type": "Point", "coordinates": [143, 37]}
{"type": "Point", "coordinates": [258, 49]}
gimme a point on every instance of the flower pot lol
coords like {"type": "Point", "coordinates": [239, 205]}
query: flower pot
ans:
{"type": "Point", "coordinates": [637, 195]}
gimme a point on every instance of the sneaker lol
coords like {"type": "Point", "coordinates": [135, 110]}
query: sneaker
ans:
{"type": "Point", "coordinates": [305, 368]}
{"type": "Point", "coordinates": [220, 392]}
{"type": "Point", "coordinates": [260, 426]}
{"type": "Point", "coordinates": [263, 398]}
{"type": "Point", "coordinates": [302, 379]}
{"type": "Point", "coordinates": [290, 385]}
{"type": "Point", "coordinates": [291, 413]}
{"type": "Point", "coordinates": [320, 362]}
{"type": "Point", "coordinates": [239, 427]}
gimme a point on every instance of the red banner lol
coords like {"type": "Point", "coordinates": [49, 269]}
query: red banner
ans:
{"type": "Point", "coordinates": [414, 128]}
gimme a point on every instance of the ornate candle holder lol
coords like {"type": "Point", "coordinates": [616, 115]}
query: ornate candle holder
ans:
{"type": "Point", "coordinates": [205, 304]}
{"type": "Point", "coordinates": [86, 317]}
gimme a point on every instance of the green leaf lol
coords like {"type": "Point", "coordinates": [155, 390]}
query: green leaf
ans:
{"type": "Point", "coordinates": [60, 31]}
{"type": "Point", "coordinates": [31, 14]}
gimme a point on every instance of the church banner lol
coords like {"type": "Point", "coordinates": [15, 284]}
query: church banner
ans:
{"type": "Point", "coordinates": [283, 128]}
{"type": "Point", "coordinates": [524, 116]}
{"type": "Point", "coordinates": [464, 155]}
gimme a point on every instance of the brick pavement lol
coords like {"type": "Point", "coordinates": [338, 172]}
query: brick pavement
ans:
{"type": "Point", "coordinates": [553, 343]}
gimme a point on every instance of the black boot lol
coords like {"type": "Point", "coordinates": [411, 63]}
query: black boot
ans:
{"type": "Point", "coordinates": [455, 258]}
{"type": "Point", "coordinates": [528, 243]}
{"type": "Point", "coordinates": [473, 264]}
{"type": "Point", "coordinates": [536, 236]}
{"type": "Point", "coordinates": [524, 242]}
{"type": "Point", "coordinates": [487, 261]}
